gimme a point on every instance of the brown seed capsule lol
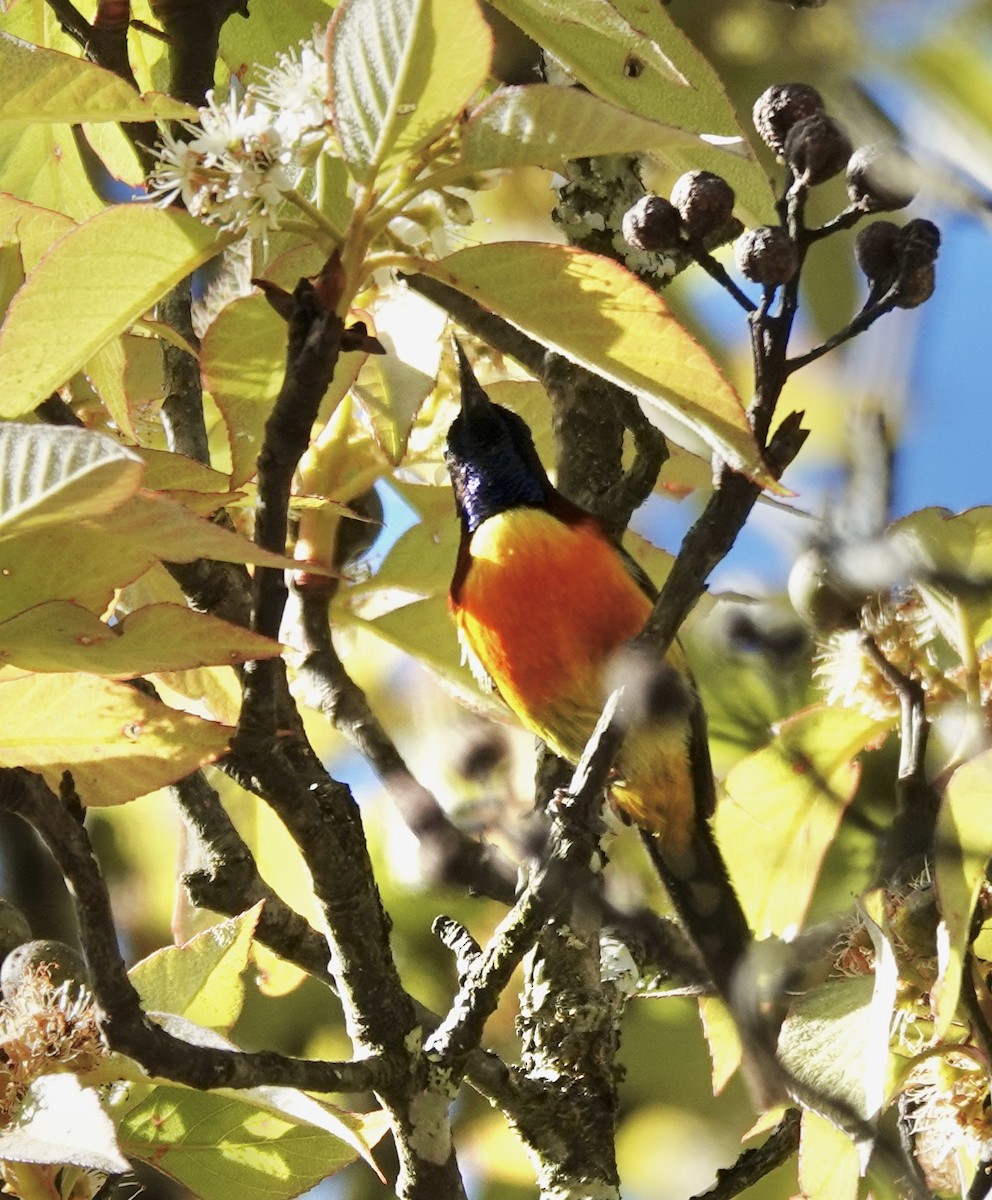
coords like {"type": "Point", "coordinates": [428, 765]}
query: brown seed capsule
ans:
{"type": "Point", "coordinates": [920, 243]}
{"type": "Point", "coordinates": [878, 249]}
{"type": "Point", "coordinates": [879, 179]}
{"type": "Point", "coordinates": [816, 148]}
{"type": "Point", "coordinates": [704, 200]}
{"type": "Point", "coordinates": [767, 255]}
{"type": "Point", "coordinates": [652, 224]}
{"type": "Point", "coordinates": [779, 107]}
{"type": "Point", "coordinates": [915, 285]}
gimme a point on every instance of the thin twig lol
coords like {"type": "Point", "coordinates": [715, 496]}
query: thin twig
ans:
{"type": "Point", "coordinates": [447, 854]}
{"type": "Point", "coordinates": [758, 1161]}
{"type": "Point", "coordinates": [909, 838]}
{"type": "Point", "coordinates": [574, 844]}
{"type": "Point", "coordinates": [718, 272]}
{"type": "Point", "coordinates": [864, 320]}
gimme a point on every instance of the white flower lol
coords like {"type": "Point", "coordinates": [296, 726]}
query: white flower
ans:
{"type": "Point", "coordinates": [296, 90]}
{"type": "Point", "coordinates": [246, 153]}
{"type": "Point", "coordinates": [235, 168]}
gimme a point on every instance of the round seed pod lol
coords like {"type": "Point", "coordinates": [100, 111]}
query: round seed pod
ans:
{"type": "Point", "coordinates": [14, 928]}
{"type": "Point", "coordinates": [819, 599]}
{"type": "Point", "coordinates": [779, 107]}
{"type": "Point", "coordinates": [879, 179]}
{"type": "Point", "coordinates": [653, 223]}
{"type": "Point", "coordinates": [64, 965]}
{"type": "Point", "coordinates": [915, 286]}
{"type": "Point", "coordinates": [878, 249]}
{"type": "Point", "coordinates": [767, 255]}
{"type": "Point", "coordinates": [817, 149]}
{"type": "Point", "coordinates": [920, 243]}
{"type": "Point", "coordinates": [705, 201]}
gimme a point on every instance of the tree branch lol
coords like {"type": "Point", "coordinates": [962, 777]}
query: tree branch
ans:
{"type": "Point", "coordinates": [447, 855]}
{"type": "Point", "coordinates": [757, 1162]}
{"type": "Point", "coordinates": [125, 1026]}
{"type": "Point", "coordinates": [270, 753]}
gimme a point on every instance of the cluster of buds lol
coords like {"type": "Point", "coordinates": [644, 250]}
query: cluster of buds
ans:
{"type": "Point", "coordinates": [235, 165]}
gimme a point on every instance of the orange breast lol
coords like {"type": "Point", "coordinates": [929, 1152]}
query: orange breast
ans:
{"type": "Point", "coordinates": [543, 607]}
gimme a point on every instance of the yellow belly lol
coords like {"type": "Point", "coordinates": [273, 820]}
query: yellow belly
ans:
{"type": "Point", "coordinates": [544, 607]}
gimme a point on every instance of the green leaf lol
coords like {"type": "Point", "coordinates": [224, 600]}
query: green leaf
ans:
{"type": "Point", "coordinates": [105, 375]}
{"type": "Point", "coordinates": [267, 1143]}
{"type": "Point", "coordinates": [43, 85]}
{"type": "Point", "coordinates": [401, 72]}
{"type": "Point", "coordinates": [243, 360]}
{"type": "Point", "coordinates": [50, 474]}
{"type": "Point", "coordinates": [540, 125]}
{"type": "Point", "coordinates": [825, 1041]}
{"type": "Point", "coordinates": [117, 743]}
{"type": "Point", "coordinates": [202, 980]}
{"type": "Point", "coordinates": [420, 562]}
{"type": "Point", "coordinates": [723, 1040]}
{"type": "Point", "coordinates": [60, 1121]}
{"type": "Point", "coordinates": [958, 551]}
{"type": "Point", "coordinates": [11, 272]}
{"type": "Point", "coordinates": [34, 228]}
{"type": "Point", "coordinates": [782, 808]}
{"type": "Point", "coordinates": [425, 630]}
{"type": "Point", "coordinates": [964, 847]}
{"type": "Point", "coordinates": [936, 540]}
{"type": "Point", "coordinates": [192, 483]}
{"type": "Point", "coordinates": [828, 1161]}
{"type": "Point", "coordinates": [393, 386]}
{"type": "Point", "coordinates": [162, 529]}
{"type": "Point", "coordinates": [86, 562]}
{"type": "Point", "coordinates": [633, 55]}
{"type": "Point", "coordinates": [60, 636]}
{"type": "Point", "coordinates": [835, 1039]}
{"type": "Point", "coordinates": [599, 315]}
{"type": "Point", "coordinates": [274, 27]}
{"type": "Point", "coordinates": [59, 318]}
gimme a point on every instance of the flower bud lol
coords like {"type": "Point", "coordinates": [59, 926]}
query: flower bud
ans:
{"type": "Point", "coordinates": [767, 255]}
{"type": "Point", "coordinates": [704, 200]}
{"type": "Point", "coordinates": [879, 179]}
{"type": "Point", "coordinates": [652, 224]}
{"type": "Point", "coordinates": [817, 149]}
{"type": "Point", "coordinates": [779, 107]}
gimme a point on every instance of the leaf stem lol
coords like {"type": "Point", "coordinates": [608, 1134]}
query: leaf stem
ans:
{"type": "Point", "coordinates": [327, 233]}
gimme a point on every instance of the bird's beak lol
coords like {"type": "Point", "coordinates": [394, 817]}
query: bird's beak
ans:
{"type": "Point", "coordinates": [474, 399]}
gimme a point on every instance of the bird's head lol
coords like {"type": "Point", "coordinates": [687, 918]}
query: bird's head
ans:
{"type": "Point", "coordinates": [491, 457]}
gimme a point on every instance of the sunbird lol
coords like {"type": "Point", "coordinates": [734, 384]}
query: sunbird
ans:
{"type": "Point", "coordinates": [544, 600]}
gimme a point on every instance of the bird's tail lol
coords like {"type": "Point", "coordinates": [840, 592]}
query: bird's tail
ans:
{"type": "Point", "coordinates": [703, 896]}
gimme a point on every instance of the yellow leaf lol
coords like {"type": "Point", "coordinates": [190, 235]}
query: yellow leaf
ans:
{"type": "Point", "coordinates": [600, 315]}
{"type": "Point", "coordinates": [117, 743]}
{"type": "Point", "coordinates": [782, 809]}
{"type": "Point", "coordinates": [202, 980]}
{"type": "Point", "coordinates": [89, 288]}
{"type": "Point", "coordinates": [964, 847]}
{"type": "Point", "coordinates": [60, 636]}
